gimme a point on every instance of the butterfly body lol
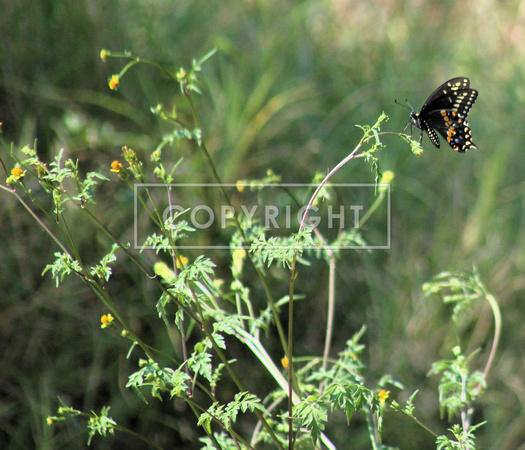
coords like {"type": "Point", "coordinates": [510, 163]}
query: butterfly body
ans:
{"type": "Point", "coordinates": [445, 111]}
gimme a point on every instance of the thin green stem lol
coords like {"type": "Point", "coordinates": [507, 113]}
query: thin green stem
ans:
{"type": "Point", "coordinates": [325, 180]}
{"type": "Point", "coordinates": [141, 266]}
{"type": "Point", "coordinates": [398, 408]}
{"type": "Point", "coordinates": [138, 436]}
{"type": "Point", "coordinates": [368, 135]}
{"type": "Point", "coordinates": [137, 60]}
{"type": "Point", "coordinates": [372, 209]}
{"type": "Point", "coordinates": [289, 354]}
{"type": "Point", "coordinates": [209, 333]}
{"type": "Point", "coordinates": [330, 315]}
{"type": "Point", "coordinates": [497, 331]}
{"type": "Point", "coordinates": [37, 219]}
{"type": "Point", "coordinates": [106, 300]}
{"type": "Point", "coordinates": [372, 433]}
{"type": "Point", "coordinates": [262, 278]}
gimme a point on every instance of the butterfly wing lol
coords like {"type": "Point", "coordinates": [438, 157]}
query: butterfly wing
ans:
{"type": "Point", "coordinates": [446, 110]}
{"type": "Point", "coordinates": [453, 127]}
{"type": "Point", "coordinates": [444, 91]}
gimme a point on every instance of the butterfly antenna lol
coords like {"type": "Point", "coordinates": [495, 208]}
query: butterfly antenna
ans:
{"type": "Point", "coordinates": [408, 105]}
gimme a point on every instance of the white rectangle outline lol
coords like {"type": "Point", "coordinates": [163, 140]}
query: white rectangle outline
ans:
{"type": "Point", "coordinates": [226, 247]}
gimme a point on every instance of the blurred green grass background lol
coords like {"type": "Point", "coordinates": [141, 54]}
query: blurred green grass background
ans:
{"type": "Point", "coordinates": [290, 81]}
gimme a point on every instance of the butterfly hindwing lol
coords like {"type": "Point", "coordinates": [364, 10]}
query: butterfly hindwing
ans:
{"type": "Point", "coordinates": [453, 128]}
{"type": "Point", "coordinates": [445, 111]}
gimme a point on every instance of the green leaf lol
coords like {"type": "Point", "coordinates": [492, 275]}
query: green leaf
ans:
{"type": "Point", "coordinates": [63, 265]}
{"type": "Point", "coordinates": [312, 415]}
{"type": "Point", "coordinates": [100, 424]}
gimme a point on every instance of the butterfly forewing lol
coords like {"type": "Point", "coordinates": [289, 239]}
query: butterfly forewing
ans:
{"type": "Point", "coordinates": [445, 111]}
{"type": "Point", "coordinates": [445, 88]}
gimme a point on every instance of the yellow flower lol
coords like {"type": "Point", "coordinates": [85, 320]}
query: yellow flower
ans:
{"type": "Point", "coordinates": [383, 395]}
{"type": "Point", "coordinates": [104, 54]}
{"type": "Point", "coordinates": [17, 172]}
{"type": "Point", "coordinates": [113, 83]}
{"type": "Point", "coordinates": [181, 74]}
{"type": "Point", "coordinates": [240, 185]}
{"type": "Point", "coordinates": [238, 256]}
{"type": "Point", "coordinates": [181, 262]}
{"type": "Point", "coordinates": [387, 177]}
{"type": "Point", "coordinates": [285, 362]}
{"type": "Point", "coordinates": [116, 167]}
{"type": "Point", "coordinates": [162, 270]}
{"type": "Point", "coordinates": [106, 320]}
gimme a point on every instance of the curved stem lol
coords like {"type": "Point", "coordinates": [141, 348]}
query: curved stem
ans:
{"type": "Point", "coordinates": [289, 354]}
{"type": "Point", "coordinates": [325, 180]}
{"type": "Point", "coordinates": [330, 318]}
{"type": "Point", "coordinates": [497, 331]}
{"type": "Point", "coordinates": [37, 219]}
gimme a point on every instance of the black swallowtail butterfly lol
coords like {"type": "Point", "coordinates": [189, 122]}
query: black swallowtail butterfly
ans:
{"type": "Point", "coordinates": [445, 111]}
